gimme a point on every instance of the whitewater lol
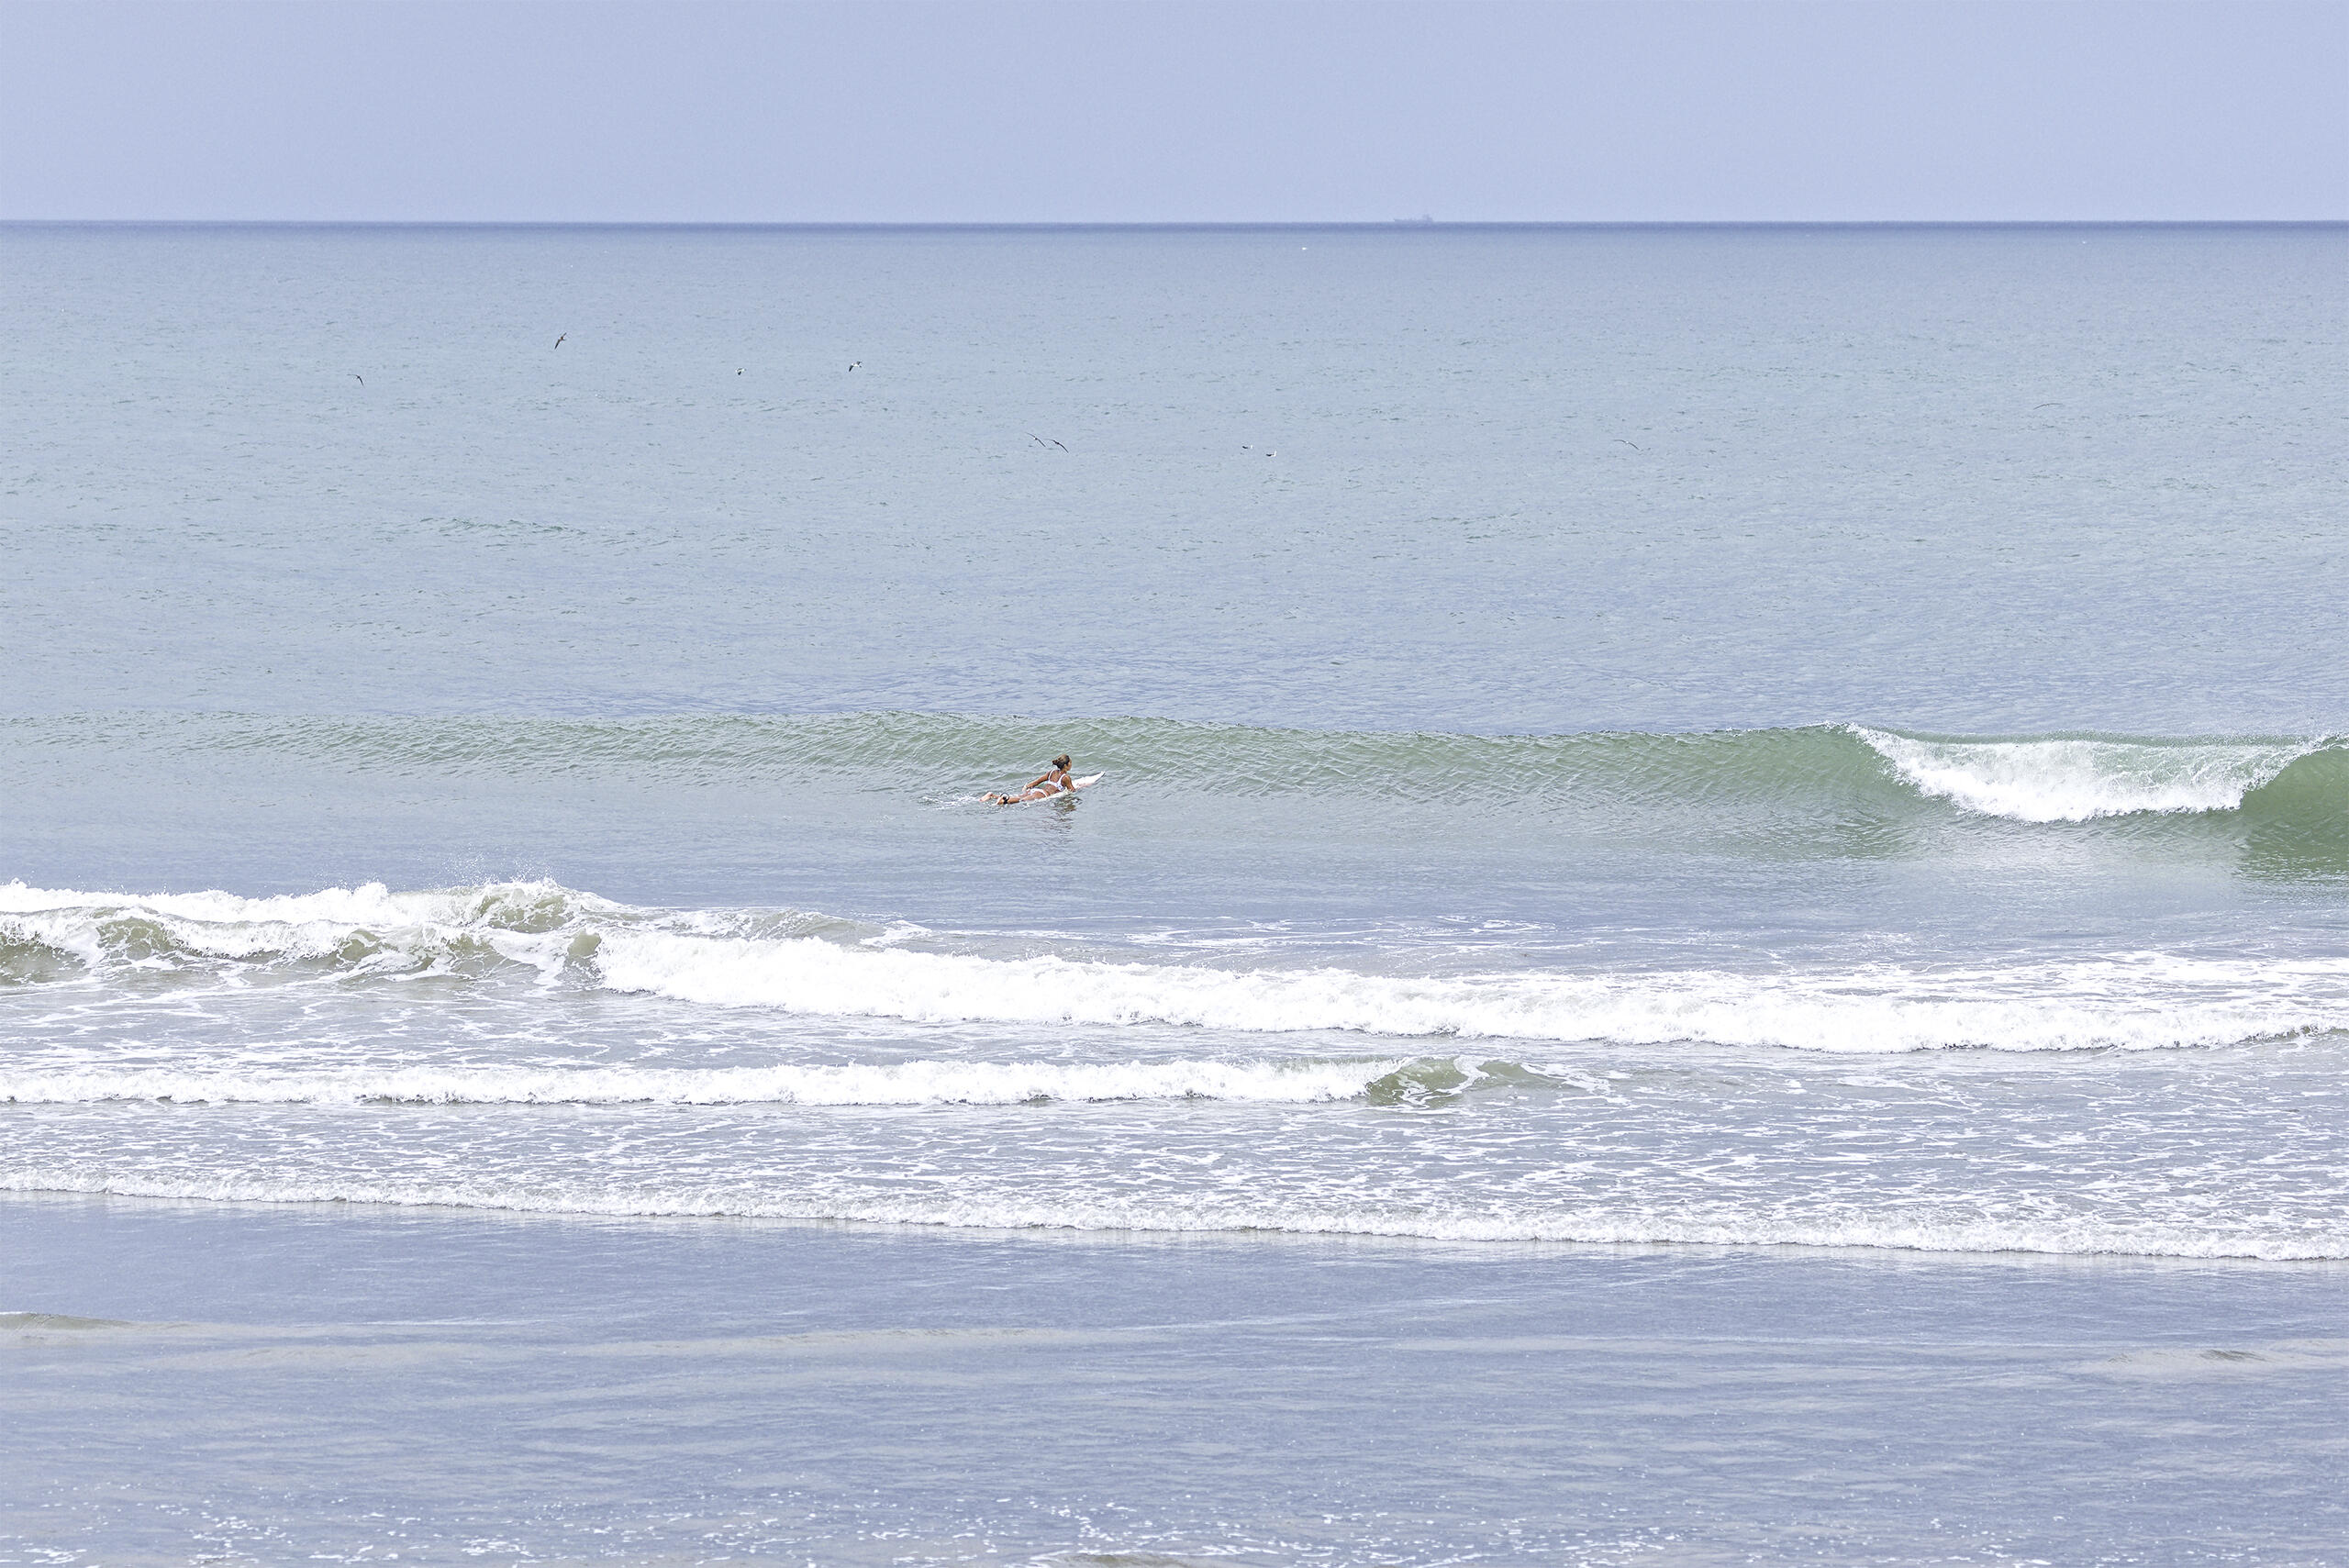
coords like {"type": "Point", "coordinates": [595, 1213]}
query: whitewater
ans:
{"type": "Point", "coordinates": [553, 935]}
{"type": "Point", "coordinates": [1832, 986]}
{"type": "Point", "coordinates": [548, 1050]}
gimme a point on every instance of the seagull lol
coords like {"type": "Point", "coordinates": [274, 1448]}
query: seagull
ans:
{"type": "Point", "coordinates": [1633, 445]}
{"type": "Point", "coordinates": [858, 362]}
{"type": "Point", "coordinates": [558, 343]}
{"type": "Point", "coordinates": [357, 377]}
{"type": "Point", "coordinates": [1041, 442]}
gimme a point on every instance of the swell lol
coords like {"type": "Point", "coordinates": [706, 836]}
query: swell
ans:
{"type": "Point", "coordinates": [533, 935]}
{"type": "Point", "coordinates": [1820, 770]}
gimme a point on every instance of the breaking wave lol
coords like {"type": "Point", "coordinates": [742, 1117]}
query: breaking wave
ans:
{"type": "Point", "coordinates": [809, 963]}
{"type": "Point", "coordinates": [1817, 772]}
{"type": "Point", "coordinates": [2074, 779]}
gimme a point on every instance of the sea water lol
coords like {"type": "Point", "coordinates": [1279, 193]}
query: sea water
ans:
{"type": "Point", "coordinates": [1632, 758]}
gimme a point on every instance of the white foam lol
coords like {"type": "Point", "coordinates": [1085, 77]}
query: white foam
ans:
{"type": "Point", "coordinates": [2140, 1002]}
{"type": "Point", "coordinates": [528, 923]}
{"type": "Point", "coordinates": [2075, 779]}
{"type": "Point", "coordinates": [716, 957]}
{"type": "Point", "coordinates": [893, 1084]}
{"type": "Point", "coordinates": [1692, 1224]}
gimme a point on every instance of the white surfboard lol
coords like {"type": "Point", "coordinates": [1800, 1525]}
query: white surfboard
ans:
{"type": "Point", "coordinates": [1076, 784]}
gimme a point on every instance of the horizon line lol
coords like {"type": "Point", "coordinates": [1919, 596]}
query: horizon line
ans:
{"type": "Point", "coordinates": [1168, 225]}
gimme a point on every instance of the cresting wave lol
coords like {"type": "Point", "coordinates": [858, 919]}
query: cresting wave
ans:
{"type": "Point", "coordinates": [539, 934]}
{"type": "Point", "coordinates": [2075, 779]}
{"type": "Point", "coordinates": [1819, 772]}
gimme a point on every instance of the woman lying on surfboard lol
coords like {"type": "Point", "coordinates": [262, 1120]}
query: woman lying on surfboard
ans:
{"type": "Point", "coordinates": [1052, 782]}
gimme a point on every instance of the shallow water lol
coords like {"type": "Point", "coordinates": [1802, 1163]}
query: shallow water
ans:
{"type": "Point", "coordinates": [478, 1389]}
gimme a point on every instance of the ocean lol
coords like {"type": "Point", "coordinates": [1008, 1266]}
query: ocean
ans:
{"type": "Point", "coordinates": [1715, 929]}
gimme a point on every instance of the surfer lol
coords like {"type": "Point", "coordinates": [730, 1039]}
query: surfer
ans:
{"type": "Point", "coordinates": [1052, 783]}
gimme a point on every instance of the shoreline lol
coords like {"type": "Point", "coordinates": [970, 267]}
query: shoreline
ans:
{"type": "Point", "coordinates": [1466, 1249]}
{"type": "Point", "coordinates": [255, 1380]}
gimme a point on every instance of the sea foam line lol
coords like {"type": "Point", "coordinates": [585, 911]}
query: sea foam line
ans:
{"type": "Point", "coordinates": [893, 1084]}
{"type": "Point", "coordinates": [2140, 1004]}
{"type": "Point", "coordinates": [1933, 1229]}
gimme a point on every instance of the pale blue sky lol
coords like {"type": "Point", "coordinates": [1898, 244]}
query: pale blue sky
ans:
{"type": "Point", "coordinates": [1112, 110]}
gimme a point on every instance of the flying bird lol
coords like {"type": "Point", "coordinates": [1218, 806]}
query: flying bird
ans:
{"type": "Point", "coordinates": [357, 377]}
{"type": "Point", "coordinates": [858, 362]}
{"type": "Point", "coordinates": [1633, 445]}
{"type": "Point", "coordinates": [558, 343]}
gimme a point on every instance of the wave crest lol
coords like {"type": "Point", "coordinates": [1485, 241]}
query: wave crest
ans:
{"type": "Point", "coordinates": [1787, 774]}
{"type": "Point", "coordinates": [800, 962]}
{"type": "Point", "coordinates": [2075, 779]}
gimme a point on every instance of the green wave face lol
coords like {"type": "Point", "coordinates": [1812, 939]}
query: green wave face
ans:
{"type": "Point", "coordinates": [1433, 1081]}
{"type": "Point", "coordinates": [1838, 789]}
{"type": "Point", "coordinates": [2297, 824]}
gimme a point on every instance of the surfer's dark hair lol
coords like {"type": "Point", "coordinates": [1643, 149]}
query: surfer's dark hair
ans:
{"type": "Point", "coordinates": [1060, 761]}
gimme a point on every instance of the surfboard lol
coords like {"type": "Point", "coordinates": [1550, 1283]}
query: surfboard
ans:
{"type": "Point", "coordinates": [1075, 784]}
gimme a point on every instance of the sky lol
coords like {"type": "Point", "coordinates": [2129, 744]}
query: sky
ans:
{"type": "Point", "coordinates": [1120, 111]}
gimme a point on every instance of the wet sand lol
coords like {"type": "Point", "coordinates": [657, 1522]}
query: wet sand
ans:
{"type": "Point", "coordinates": [270, 1383]}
